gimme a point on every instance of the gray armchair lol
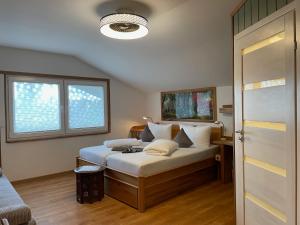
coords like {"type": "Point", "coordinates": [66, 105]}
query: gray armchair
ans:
{"type": "Point", "coordinates": [12, 207]}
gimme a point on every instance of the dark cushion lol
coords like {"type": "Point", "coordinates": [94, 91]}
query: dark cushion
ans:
{"type": "Point", "coordinates": [183, 140]}
{"type": "Point", "coordinates": [120, 148]}
{"type": "Point", "coordinates": [147, 135]}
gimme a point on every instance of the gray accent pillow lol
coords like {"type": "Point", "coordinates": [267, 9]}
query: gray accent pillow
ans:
{"type": "Point", "coordinates": [147, 135]}
{"type": "Point", "coordinates": [183, 140]}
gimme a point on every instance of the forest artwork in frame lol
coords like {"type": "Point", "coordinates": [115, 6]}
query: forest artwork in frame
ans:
{"type": "Point", "coordinates": [189, 105]}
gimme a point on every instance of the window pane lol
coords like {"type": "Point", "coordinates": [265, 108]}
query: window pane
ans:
{"type": "Point", "coordinates": [86, 106]}
{"type": "Point", "coordinates": [36, 107]}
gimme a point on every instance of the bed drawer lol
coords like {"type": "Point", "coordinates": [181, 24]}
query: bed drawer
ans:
{"type": "Point", "coordinates": [163, 191]}
{"type": "Point", "coordinates": [121, 191]}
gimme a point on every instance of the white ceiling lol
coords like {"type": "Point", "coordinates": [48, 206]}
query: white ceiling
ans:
{"type": "Point", "coordinates": [188, 46]}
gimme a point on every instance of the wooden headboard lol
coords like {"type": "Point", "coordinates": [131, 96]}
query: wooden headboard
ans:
{"type": "Point", "coordinates": [216, 132]}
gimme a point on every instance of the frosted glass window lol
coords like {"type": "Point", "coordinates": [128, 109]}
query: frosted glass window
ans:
{"type": "Point", "coordinates": [40, 107]}
{"type": "Point", "coordinates": [36, 107]}
{"type": "Point", "coordinates": [86, 106]}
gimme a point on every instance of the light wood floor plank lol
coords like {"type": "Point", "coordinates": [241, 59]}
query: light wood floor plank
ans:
{"type": "Point", "coordinates": [53, 203]}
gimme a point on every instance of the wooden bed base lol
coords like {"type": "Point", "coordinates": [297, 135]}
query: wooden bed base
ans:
{"type": "Point", "coordinates": [144, 192]}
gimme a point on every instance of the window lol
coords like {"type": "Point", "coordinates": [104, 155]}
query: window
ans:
{"type": "Point", "coordinates": [51, 107]}
{"type": "Point", "coordinates": [32, 100]}
{"type": "Point", "coordinates": [85, 105]}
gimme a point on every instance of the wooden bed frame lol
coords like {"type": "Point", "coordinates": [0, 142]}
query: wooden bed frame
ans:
{"type": "Point", "coordinates": [144, 192]}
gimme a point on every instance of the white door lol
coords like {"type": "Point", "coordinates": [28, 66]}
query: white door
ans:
{"type": "Point", "coordinates": [264, 76]}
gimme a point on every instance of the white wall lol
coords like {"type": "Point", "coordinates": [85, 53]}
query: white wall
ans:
{"type": "Point", "coordinates": [31, 159]}
{"type": "Point", "coordinates": [224, 97]}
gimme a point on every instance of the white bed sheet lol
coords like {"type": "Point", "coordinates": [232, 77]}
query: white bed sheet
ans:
{"type": "Point", "coordinates": [98, 154]}
{"type": "Point", "coordinates": [144, 165]}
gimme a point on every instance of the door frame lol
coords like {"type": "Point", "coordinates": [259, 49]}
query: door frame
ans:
{"type": "Point", "coordinates": [238, 108]}
{"type": "Point", "coordinates": [297, 9]}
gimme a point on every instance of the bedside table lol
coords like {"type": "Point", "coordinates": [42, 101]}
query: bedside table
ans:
{"type": "Point", "coordinates": [135, 131]}
{"type": "Point", "coordinates": [89, 183]}
{"type": "Point", "coordinates": [226, 159]}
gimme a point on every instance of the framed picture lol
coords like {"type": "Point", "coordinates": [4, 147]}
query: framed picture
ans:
{"type": "Point", "coordinates": [189, 105]}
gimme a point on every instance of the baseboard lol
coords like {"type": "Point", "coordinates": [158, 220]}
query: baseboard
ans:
{"type": "Point", "coordinates": [42, 177]}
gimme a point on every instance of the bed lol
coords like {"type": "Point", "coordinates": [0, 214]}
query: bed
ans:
{"type": "Point", "coordinates": [142, 181]}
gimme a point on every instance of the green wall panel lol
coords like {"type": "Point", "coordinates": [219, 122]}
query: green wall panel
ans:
{"type": "Point", "coordinates": [271, 6]}
{"type": "Point", "coordinates": [242, 18]}
{"type": "Point", "coordinates": [281, 3]}
{"type": "Point", "coordinates": [253, 11]}
{"type": "Point", "coordinates": [262, 9]}
{"type": "Point", "coordinates": [248, 14]}
{"type": "Point", "coordinates": [236, 23]}
{"type": "Point", "coordinates": [254, 6]}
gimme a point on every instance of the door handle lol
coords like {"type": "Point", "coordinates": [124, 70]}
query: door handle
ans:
{"type": "Point", "coordinates": [241, 132]}
{"type": "Point", "coordinates": [241, 137]}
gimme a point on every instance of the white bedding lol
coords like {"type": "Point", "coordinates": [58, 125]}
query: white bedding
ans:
{"type": "Point", "coordinates": [161, 147]}
{"type": "Point", "coordinates": [98, 154]}
{"type": "Point", "coordinates": [122, 142]}
{"type": "Point", "coordinates": [143, 165]}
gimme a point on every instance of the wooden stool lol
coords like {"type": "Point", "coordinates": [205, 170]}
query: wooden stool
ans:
{"type": "Point", "coordinates": [89, 184]}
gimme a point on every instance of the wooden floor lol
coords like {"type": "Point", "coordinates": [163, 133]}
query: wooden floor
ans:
{"type": "Point", "coordinates": [53, 203]}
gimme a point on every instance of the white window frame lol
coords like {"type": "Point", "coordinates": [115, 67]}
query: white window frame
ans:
{"type": "Point", "coordinates": [63, 82]}
{"type": "Point", "coordinates": [10, 112]}
{"type": "Point", "coordinates": [90, 129]}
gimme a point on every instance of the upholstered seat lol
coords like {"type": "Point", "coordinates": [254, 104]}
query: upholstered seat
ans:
{"type": "Point", "coordinates": [12, 207]}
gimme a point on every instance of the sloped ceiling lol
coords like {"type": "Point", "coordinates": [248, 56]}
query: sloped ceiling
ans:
{"type": "Point", "coordinates": [188, 46]}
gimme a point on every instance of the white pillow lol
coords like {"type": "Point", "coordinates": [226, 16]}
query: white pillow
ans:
{"type": "Point", "coordinates": [161, 131]}
{"type": "Point", "coordinates": [199, 135]}
{"type": "Point", "coordinates": [161, 147]}
{"type": "Point", "coordinates": [122, 142]}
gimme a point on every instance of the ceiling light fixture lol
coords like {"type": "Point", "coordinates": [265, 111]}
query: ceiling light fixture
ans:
{"type": "Point", "coordinates": [125, 26]}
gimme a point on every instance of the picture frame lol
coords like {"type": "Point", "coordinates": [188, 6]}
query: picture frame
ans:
{"type": "Point", "coordinates": [198, 105]}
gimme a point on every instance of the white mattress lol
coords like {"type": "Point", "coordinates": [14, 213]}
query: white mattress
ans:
{"type": "Point", "coordinates": [98, 154]}
{"type": "Point", "coordinates": [144, 165]}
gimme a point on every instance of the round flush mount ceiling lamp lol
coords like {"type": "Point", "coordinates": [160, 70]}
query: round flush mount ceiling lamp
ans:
{"type": "Point", "coordinates": [125, 26]}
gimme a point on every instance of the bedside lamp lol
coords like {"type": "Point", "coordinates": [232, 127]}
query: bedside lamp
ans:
{"type": "Point", "coordinates": [148, 118]}
{"type": "Point", "coordinates": [218, 122]}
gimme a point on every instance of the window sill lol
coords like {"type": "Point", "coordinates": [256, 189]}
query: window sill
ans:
{"type": "Point", "coordinates": [44, 138]}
